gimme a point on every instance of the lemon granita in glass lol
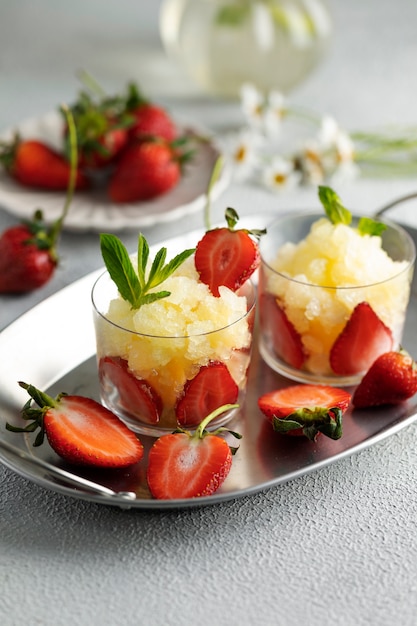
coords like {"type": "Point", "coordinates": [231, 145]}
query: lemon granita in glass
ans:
{"type": "Point", "coordinates": [179, 353]}
{"type": "Point", "coordinates": [333, 292]}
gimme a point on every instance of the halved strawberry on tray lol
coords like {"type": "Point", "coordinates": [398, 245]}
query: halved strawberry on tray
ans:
{"type": "Point", "coordinates": [307, 410]}
{"type": "Point", "coordinates": [190, 464]}
{"type": "Point", "coordinates": [80, 430]}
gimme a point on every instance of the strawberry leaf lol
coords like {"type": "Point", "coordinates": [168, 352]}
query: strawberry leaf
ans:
{"type": "Point", "coordinates": [333, 206]}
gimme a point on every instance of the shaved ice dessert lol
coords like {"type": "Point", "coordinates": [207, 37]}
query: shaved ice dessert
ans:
{"type": "Point", "coordinates": [333, 293]}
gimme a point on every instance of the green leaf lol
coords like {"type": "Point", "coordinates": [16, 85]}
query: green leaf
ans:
{"type": "Point", "coordinates": [134, 288]}
{"type": "Point", "coordinates": [120, 268]}
{"type": "Point", "coordinates": [333, 206]}
{"type": "Point", "coordinates": [175, 264]}
{"type": "Point", "coordinates": [158, 263]}
{"type": "Point", "coordinates": [143, 256]}
{"type": "Point", "coordinates": [368, 226]}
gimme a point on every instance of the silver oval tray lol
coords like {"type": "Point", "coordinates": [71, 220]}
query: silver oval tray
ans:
{"type": "Point", "coordinates": [52, 346]}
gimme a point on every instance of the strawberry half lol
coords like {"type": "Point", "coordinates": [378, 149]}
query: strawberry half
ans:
{"type": "Point", "coordinates": [136, 396]}
{"type": "Point", "coordinates": [306, 410]}
{"type": "Point", "coordinates": [189, 465]}
{"type": "Point", "coordinates": [285, 339]}
{"type": "Point", "coordinates": [80, 430]}
{"type": "Point", "coordinates": [212, 387]}
{"type": "Point", "coordinates": [391, 379]}
{"type": "Point", "coordinates": [225, 256]}
{"type": "Point", "coordinates": [361, 341]}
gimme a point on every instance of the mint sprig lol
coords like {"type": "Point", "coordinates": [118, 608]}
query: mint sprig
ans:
{"type": "Point", "coordinates": [332, 204]}
{"type": "Point", "coordinates": [135, 285]}
{"type": "Point", "coordinates": [338, 214]}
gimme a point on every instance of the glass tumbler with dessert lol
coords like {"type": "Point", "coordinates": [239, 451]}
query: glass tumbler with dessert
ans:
{"type": "Point", "coordinates": [333, 292]}
{"type": "Point", "coordinates": [174, 338]}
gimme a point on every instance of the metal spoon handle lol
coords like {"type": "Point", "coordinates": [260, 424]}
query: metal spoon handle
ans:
{"type": "Point", "coordinates": [64, 475]}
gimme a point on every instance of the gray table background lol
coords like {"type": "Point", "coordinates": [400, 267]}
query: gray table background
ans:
{"type": "Point", "coordinates": [334, 547]}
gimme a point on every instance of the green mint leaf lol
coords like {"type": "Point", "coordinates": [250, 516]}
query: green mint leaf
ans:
{"type": "Point", "coordinates": [368, 226]}
{"type": "Point", "coordinates": [120, 268]}
{"type": "Point", "coordinates": [232, 15]}
{"type": "Point", "coordinates": [174, 264]}
{"type": "Point", "coordinates": [134, 288]}
{"type": "Point", "coordinates": [153, 297]}
{"type": "Point", "coordinates": [143, 256]}
{"type": "Point", "coordinates": [333, 206]}
{"type": "Point", "coordinates": [158, 263]}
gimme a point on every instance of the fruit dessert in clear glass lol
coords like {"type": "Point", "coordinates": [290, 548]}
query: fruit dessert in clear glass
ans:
{"type": "Point", "coordinates": [333, 292]}
{"type": "Point", "coordinates": [176, 345]}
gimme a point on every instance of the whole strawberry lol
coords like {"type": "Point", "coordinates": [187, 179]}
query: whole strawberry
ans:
{"type": "Point", "coordinates": [145, 170]}
{"type": "Point", "coordinates": [148, 119]}
{"type": "Point", "coordinates": [28, 251]}
{"type": "Point", "coordinates": [28, 257]}
{"type": "Point", "coordinates": [391, 379]}
{"type": "Point", "coordinates": [35, 164]}
{"type": "Point", "coordinates": [102, 129]}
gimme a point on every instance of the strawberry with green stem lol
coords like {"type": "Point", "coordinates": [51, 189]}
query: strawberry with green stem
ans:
{"type": "Point", "coordinates": [28, 251]}
{"type": "Point", "coordinates": [149, 119]}
{"type": "Point", "coordinates": [79, 430]}
{"type": "Point", "coordinates": [188, 464]}
{"type": "Point", "coordinates": [306, 410]}
{"type": "Point", "coordinates": [227, 256]}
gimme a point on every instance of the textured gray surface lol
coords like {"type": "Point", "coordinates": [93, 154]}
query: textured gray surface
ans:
{"type": "Point", "coordinates": [335, 547]}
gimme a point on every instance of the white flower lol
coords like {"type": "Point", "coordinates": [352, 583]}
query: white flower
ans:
{"type": "Point", "coordinates": [311, 163]}
{"type": "Point", "coordinates": [242, 150]}
{"type": "Point", "coordinates": [252, 104]}
{"type": "Point", "coordinates": [280, 175]}
{"type": "Point", "coordinates": [274, 112]}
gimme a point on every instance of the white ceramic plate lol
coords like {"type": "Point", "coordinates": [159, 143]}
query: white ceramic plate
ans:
{"type": "Point", "coordinates": [61, 357]}
{"type": "Point", "coordinates": [91, 210]}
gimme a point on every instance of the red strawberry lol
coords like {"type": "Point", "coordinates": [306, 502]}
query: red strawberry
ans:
{"type": "Point", "coordinates": [186, 465]}
{"type": "Point", "coordinates": [102, 128]}
{"type": "Point", "coordinates": [136, 396]}
{"type": "Point", "coordinates": [34, 164]}
{"type": "Point", "coordinates": [28, 254]}
{"type": "Point", "coordinates": [306, 409]}
{"type": "Point", "coordinates": [361, 341]}
{"type": "Point", "coordinates": [152, 120]}
{"type": "Point", "coordinates": [27, 257]}
{"type": "Point", "coordinates": [225, 256]}
{"type": "Point", "coordinates": [80, 430]}
{"type": "Point", "coordinates": [213, 386]}
{"type": "Point", "coordinates": [149, 120]}
{"type": "Point", "coordinates": [145, 170]}
{"type": "Point", "coordinates": [391, 379]}
{"type": "Point", "coordinates": [286, 340]}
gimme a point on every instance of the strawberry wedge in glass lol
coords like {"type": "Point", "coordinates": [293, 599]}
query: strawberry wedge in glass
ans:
{"type": "Point", "coordinates": [173, 346]}
{"type": "Point", "coordinates": [333, 293]}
